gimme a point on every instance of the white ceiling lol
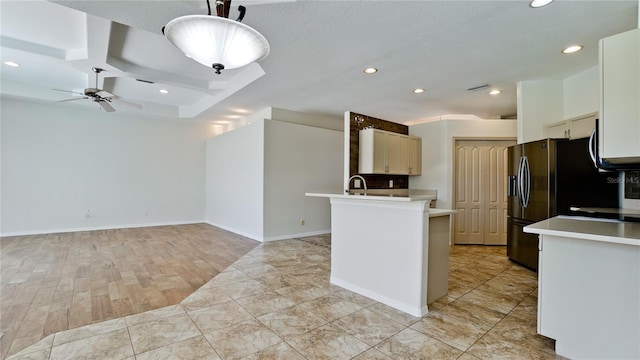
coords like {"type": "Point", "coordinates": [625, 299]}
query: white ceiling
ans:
{"type": "Point", "coordinates": [318, 51]}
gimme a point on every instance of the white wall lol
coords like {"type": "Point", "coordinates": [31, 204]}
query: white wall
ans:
{"type": "Point", "coordinates": [58, 162]}
{"type": "Point", "coordinates": [540, 102]}
{"type": "Point", "coordinates": [234, 180]}
{"type": "Point", "coordinates": [299, 159]}
{"type": "Point", "coordinates": [438, 142]}
{"type": "Point", "coordinates": [257, 176]}
{"type": "Point", "coordinates": [543, 102]}
{"type": "Point", "coordinates": [296, 117]}
{"type": "Point", "coordinates": [581, 93]}
{"type": "Point", "coordinates": [314, 120]}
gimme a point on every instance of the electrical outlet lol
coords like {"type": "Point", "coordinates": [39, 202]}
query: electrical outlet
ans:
{"type": "Point", "coordinates": [88, 214]}
{"type": "Point", "coordinates": [356, 183]}
{"type": "Point", "coordinates": [391, 183]}
{"type": "Point", "coordinates": [302, 222]}
{"type": "Point", "coordinates": [146, 212]}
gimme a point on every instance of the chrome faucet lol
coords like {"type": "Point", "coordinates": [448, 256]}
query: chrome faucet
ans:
{"type": "Point", "coordinates": [364, 182]}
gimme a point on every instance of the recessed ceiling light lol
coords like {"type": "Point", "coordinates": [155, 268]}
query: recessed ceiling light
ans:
{"type": "Point", "coordinates": [572, 49]}
{"type": "Point", "coordinates": [12, 64]}
{"type": "Point", "coordinates": [494, 92]}
{"type": "Point", "coordinates": [370, 70]}
{"type": "Point", "coordinates": [539, 3]}
{"type": "Point", "coordinates": [164, 91]}
{"type": "Point", "coordinates": [418, 90]}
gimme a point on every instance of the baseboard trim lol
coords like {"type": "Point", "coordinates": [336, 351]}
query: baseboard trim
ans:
{"type": "Point", "coordinates": [236, 231]}
{"type": "Point", "coordinates": [269, 238]}
{"type": "Point", "coordinates": [411, 310]}
{"type": "Point", "coordinates": [299, 235]}
{"type": "Point", "coordinates": [94, 228]}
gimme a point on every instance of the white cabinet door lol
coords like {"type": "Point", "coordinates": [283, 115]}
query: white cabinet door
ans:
{"type": "Point", "coordinates": [398, 154]}
{"type": "Point", "coordinates": [620, 97]}
{"type": "Point", "coordinates": [558, 131]}
{"type": "Point", "coordinates": [582, 127]}
{"type": "Point", "coordinates": [380, 164]}
{"type": "Point", "coordinates": [373, 152]}
{"type": "Point", "coordinates": [384, 152]}
{"type": "Point", "coordinates": [415, 155]}
{"type": "Point", "coordinates": [576, 128]}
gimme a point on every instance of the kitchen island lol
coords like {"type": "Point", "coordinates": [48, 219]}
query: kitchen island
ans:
{"type": "Point", "coordinates": [589, 286]}
{"type": "Point", "coordinates": [393, 249]}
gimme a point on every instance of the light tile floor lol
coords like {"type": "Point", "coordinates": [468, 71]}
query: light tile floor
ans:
{"type": "Point", "coordinates": [276, 302]}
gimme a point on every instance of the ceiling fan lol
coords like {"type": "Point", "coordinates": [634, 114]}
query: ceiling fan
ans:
{"type": "Point", "coordinates": [102, 97]}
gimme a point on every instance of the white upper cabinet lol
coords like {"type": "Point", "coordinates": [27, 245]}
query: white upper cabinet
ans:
{"type": "Point", "coordinates": [398, 153]}
{"type": "Point", "coordinates": [558, 130]}
{"type": "Point", "coordinates": [580, 127]}
{"type": "Point", "coordinates": [415, 155]}
{"type": "Point", "coordinates": [619, 125]}
{"type": "Point", "coordinates": [384, 152]}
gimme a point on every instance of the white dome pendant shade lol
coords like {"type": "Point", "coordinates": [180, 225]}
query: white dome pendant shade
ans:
{"type": "Point", "coordinates": [216, 41]}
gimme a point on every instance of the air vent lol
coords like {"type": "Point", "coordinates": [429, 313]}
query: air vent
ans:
{"type": "Point", "coordinates": [145, 81]}
{"type": "Point", "coordinates": [481, 87]}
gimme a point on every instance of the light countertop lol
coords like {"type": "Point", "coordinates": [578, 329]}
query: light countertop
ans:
{"type": "Point", "coordinates": [388, 197]}
{"type": "Point", "coordinates": [440, 212]}
{"type": "Point", "coordinates": [611, 231]}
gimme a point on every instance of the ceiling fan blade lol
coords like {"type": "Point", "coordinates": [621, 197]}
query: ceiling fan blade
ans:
{"type": "Point", "coordinates": [127, 103]}
{"type": "Point", "coordinates": [106, 106]}
{"type": "Point", "coordinates": [73, 99]}
{"type": "Point", "coordinates": [104, 94]}
{"type": "Point", "coordinates": [69, 91]}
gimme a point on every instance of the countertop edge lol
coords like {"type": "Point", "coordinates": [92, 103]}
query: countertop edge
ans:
{"type": "Point", "coordinates": [374, 197]}
{"type": "Point", "coordinates": [440, 212]}
{"type": "Point", "coordinates": [625, 233]}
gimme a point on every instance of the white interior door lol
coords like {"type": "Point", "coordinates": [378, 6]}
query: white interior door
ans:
{"type": "Point", "coordinates": [481, 192]}
{"type": "Point", "coordinates": [496, 196]}
{"type": "Point", "coordinates": [469, 183]}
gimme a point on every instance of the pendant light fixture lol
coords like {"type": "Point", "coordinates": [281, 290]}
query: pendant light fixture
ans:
{"type": "Point", "coordinates": [217, 41]}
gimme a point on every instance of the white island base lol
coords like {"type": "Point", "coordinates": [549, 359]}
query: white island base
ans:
{"type": "Point", "coordinates": [589, 287]}
{"type": "Point", "coordinates": [394, 250]}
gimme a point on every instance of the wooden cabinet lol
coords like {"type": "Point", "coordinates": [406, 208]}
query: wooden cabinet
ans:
{"type": "Point", "coordinates": [415, 155]}
{"type": "Point", "coordinates": [619, 125]}
{"type": "Point", "coordinates": [576, 128]}
{"type": "Point", "coordinates": [397, 153]}
{"type": "Point", "coordinates": [384, 152]}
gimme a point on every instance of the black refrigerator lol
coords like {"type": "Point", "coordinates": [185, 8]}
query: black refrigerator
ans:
{"type": "Point", "coordinates": [545, 179]}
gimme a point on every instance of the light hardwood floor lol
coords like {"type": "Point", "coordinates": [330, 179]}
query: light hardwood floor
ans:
{"type": "Point", "coordinates": [54, 282]}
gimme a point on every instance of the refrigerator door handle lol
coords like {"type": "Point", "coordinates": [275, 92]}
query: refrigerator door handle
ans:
{"type": "Point", "coordinates": [521, 182]}
{"type": "Point", "coordinates": [527, 181]}
{"type": "Point", "coordinates": [592, 144]}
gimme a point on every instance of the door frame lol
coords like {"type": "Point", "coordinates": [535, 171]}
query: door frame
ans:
{"type": "Point", "coordinates": [452, 184]}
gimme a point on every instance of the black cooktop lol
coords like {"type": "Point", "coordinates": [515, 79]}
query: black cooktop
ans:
{"type": "Point", "coordinates": [606, 213]}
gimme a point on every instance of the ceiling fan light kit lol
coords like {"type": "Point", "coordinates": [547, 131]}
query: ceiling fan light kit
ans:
{"type": "Point", "coordinates": [217, 41]}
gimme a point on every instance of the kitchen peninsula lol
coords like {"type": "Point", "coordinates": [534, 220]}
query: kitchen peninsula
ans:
{"type": "Point", "coordinates": [589, 286]}
{"type": "Point", "coordinates": [393, 249]}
